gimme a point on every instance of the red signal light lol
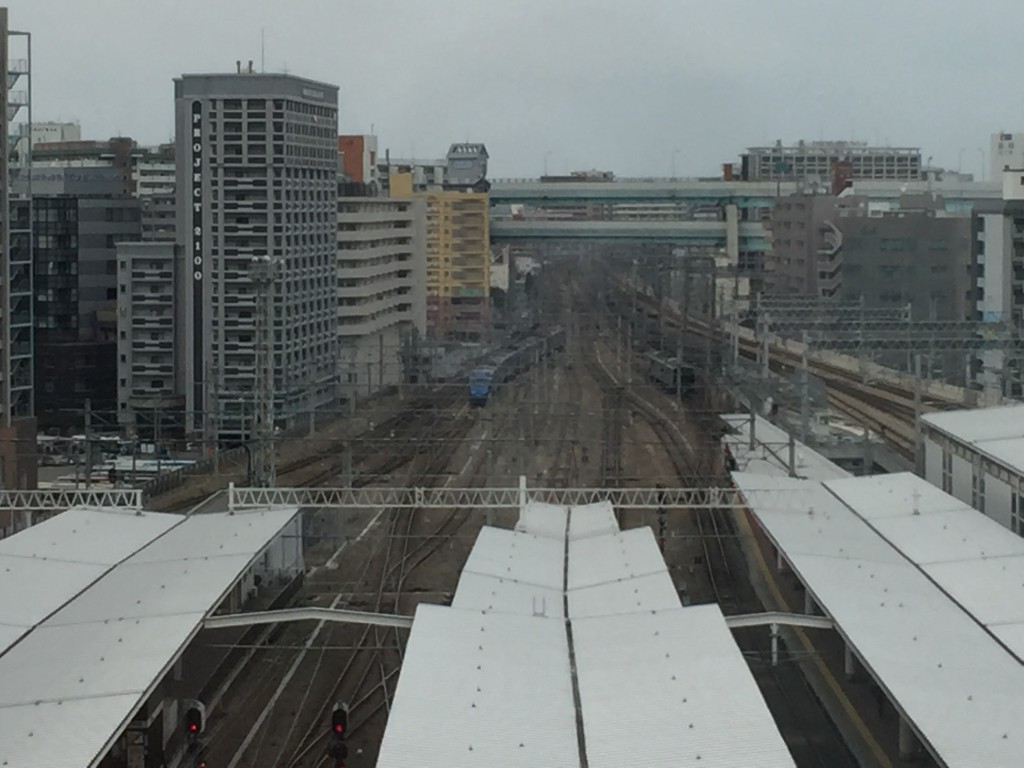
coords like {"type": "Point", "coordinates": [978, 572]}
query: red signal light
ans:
{"type": "Point", "coordinates": [193, 727]}
{"type": "Point", "coordinates": [339, 728]}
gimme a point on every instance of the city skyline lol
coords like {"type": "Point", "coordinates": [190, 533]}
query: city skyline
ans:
{"type": "Point", "coordinates": [561, 86]}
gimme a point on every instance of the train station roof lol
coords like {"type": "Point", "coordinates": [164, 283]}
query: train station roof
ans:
{"type": "Point", "coordinates": [973, 559]}
{"type": "Point", "coordinates": [497, 667]}
{"type": "Point", "coordinates": [44, 567]}
{"type": "Point", "coordinates": [947, 675]}
{"type": "Point", "coordinates": [996, 432]}
{"type": "Point", "coordinates": [971, 425]}
{"type": "Point", "coordinates": [84, 668]}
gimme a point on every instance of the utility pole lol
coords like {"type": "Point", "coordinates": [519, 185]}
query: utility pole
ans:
{"type": "Point", "coordinates": [805, 391]}
{"type": "Point", "coordinates": [264, 274]}
{"type": "Point", "coordinates": [88, 443]}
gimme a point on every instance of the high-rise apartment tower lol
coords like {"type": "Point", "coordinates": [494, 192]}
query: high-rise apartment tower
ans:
{"type": "Point", "coordinates": [257, 162]}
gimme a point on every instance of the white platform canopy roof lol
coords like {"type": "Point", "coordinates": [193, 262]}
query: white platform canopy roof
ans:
{"type": "Point", "coordinates": [950, 678]}
{"type": "Point", "coordinates": [642, 661]}
{"type": "Point", "coordinates": [44, 567]}
{"type": "Point", "coordinates": [997, 432]}
{"type": "Point", "coordinates": [86, 669]}
{"type": "Point", "coordinates": [973, 559]}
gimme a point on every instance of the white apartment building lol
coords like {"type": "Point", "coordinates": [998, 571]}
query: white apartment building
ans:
{"type": "Point", "coordinates": [381, 287]}
{"type": "Point", "coordinates": [1006, 151]}
{"type": "Point", "coordinates": [257, 163]}
{"type": "Point", "coordinates": [998, 256]}
{"type": "Point", "coordinates": [146, 367]}
{"type": "Point", "coordinates": [154, 176]}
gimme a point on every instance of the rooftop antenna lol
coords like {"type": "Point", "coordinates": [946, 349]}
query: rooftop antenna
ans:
{"type": "Point", "coordinates": [263, 50]}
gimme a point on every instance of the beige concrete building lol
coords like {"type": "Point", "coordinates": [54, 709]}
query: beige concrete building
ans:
{"type": "Point", "coordinates": [381, 275]}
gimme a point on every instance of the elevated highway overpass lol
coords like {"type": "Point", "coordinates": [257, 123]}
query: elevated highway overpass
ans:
{"type": "Point", "coordinates": [635, 210]}
{"type": "Point", "coordinates": [743, 194]}
{"type": "Point", "coordinates": [751, 235]}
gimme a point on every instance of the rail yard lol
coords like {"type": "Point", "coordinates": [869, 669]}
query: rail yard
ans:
{"type": "Point", "coordinates": [612, 389]}
{"type": "Point", "coordinates": [543, 423]}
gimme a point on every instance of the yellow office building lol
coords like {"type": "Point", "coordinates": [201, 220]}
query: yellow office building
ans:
{"type": "Point", "coordinates": [458, 265]}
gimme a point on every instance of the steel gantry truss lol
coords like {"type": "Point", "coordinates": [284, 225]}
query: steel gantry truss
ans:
{"type": "Point", "coordinates": [27, 508]}
{"type": "Point", "coordinates": [480, 498]}
{"type": "Point", "coordinates": [59, 501]}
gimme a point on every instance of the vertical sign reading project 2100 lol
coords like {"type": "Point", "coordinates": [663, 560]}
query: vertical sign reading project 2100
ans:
{"type": "Point", "coordinates": [197, 257]}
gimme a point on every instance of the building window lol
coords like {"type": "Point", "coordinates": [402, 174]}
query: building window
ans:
{"type": "Point", "coordinates": [947, 472]}
{"type": "Point", "coordinates": [978, 489]}
{"type": "Point", "coordinates": [1016, 514]}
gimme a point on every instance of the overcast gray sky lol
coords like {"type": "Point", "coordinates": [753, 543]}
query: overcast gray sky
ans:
{"type": "Point", "coordinates": [622, 85]}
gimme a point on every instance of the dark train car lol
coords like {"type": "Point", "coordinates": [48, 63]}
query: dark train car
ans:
{"type": "Point", "coordinates": [670, 374]}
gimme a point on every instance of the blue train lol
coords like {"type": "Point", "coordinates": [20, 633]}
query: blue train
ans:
{"type": "Point", "coordinates": [508, 363]}
{"type": "Point", "coordinates": [481, 383]}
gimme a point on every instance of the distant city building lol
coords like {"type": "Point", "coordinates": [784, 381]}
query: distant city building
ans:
{"type": "Point", "coordinates": [381, 278]}
{"type": "Point", "coordinates": [804, 244]}
{"type": "Point", "coordinates": [154, 179]}
{"type": "Point", "coordinates": [467, 167]}
{"type": "Point", "coordinates": [917, 256]}
{"type": "Point", "coordinates": [423, 174]}
{"type": "Point", "coordinates": [458, 265]}
{"type": "Point", "coordinates": [148, 391]}
{"type": "Point", "coordinates": [48, 133]}
{"type": "Point", "coordinates": [75, 239]}
{"type": "Point", "coordinates": [147, 173]}
{"type": "Point", "coordinates": [257, 175]}
{"type": "Point", "coordinates": [357, 156]}
{"type": "Point", "coordinates": [117, 153]}
{"type": "Point", "coordinates": [998, 239]}
{"type": "Point", "coordinates": [1006, 152]}
{"type": "Point", "coordinates": [823, 159]}
{"type": "Point", "coordinates": [17, 423]}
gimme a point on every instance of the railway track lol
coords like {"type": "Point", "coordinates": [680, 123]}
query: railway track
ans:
{"type": "Point", "coordinates": [327, 460]}
{"type": "Point", "coordinates": [297, 680]}
{"type": "Point", "coordinates": [882, 406]}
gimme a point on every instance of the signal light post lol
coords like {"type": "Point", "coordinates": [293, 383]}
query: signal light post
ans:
{"type": "Point", "coordinates": [195, 724]}
{"type": "Point", "coordinates": [337, 749]}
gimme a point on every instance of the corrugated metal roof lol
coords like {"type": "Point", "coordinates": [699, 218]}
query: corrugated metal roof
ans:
{"type": "Point", "coordinates": [482, 689]}
{"type": "Point", "coordinates": [644, 664]}
{"type": "Point", "coordinates": [488, 593]}
{"type": "Point", "coordinates": [955, 683]}
{"type": "Point", "coordinates": [216, 535]}
{"type": "Point", "coordinates": [770, 455]}
{"type": "Point", "coordinates": [973, 559]}
{"type": "Point", "coordinates": [974, 424]}
{"type": "Point", "coordinates": [1007, 451]}
{"type": "Point", "coordinates": [671, 689]}
{"type": "Point", "coordinates": [519, 557]}
{"type": "Point", "coordinates": [44, 567]}
{"type": "Point", "coordinates": [613, 557]}
{"type": "Point", "coordinates": [643, 594]}
{"type": "Point", "coordinates": [30, 732]}
{"type": "Point", "coordinates": [592, 520]}
{"type": "Point", "coordinates": [542, 519]}
{"type": "Point", "coordinates": [89, 535]}
{"type": "Point", "coordinates": [115, 639]}
{"type": "Point", "coordinates": [996, 432]}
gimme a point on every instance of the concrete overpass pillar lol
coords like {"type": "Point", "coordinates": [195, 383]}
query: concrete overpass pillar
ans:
{"type": "Point", "coordinates": [910, 746]}
{"type": "Point", "coordinates": [732, 234]}
{"type": "Point", "coordinates": [809, 607]}
{"type": "Point", "coordinates": [851, 667]}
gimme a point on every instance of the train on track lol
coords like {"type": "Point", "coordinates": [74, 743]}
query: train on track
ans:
{"type": "Point", "coordinates": [670, 374]}
{"type": "Point", "coordinates": [511, 361]}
